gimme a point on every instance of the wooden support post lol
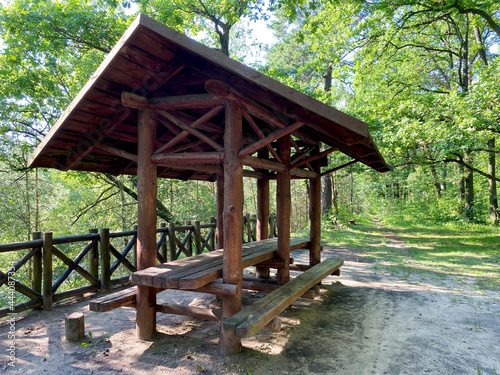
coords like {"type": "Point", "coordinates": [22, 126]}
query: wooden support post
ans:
{"type": "Point", "coordinates": [229, 343]}
{"type": "Point", "coordinates": [47, 271]}
{"type": "Point", "coordinates": [189, 243]}
{"type": "Point", "coordinates": [146, 218]}
{"type": "Point", "coordinates": [262, 227]}
{"type": "Point", "coordinates": [219, 232]}
{"type": "Point", "coordinates": [134, 254]}
{"type": "Point", "coordinates": [37, 265]}
{"type": "Point", "coordinates": [105, 261]}
{"type": "Point", "coordinates": [283, 207]}
{"type": "Point", "coordinates": [172, 246]}
{"type": "Point", "coordinates": [315, 213]}
{"type": "Point", "coordinates": [94, 258]}
{"type": "Point", "coordinates": [197, 237]}
{"type": "Point", "coordinates": [163, 245]}
{"type": "Point", "coordinates": [248, 227]}
{"type": "Point", "coordinates": [213, 220]}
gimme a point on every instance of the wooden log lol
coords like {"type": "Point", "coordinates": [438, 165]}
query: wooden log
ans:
{"type": "Point", "coordinates": [47, 271]}
{"type": "Point", "coordinates": [184, 101]}
{"type": "Point", "coordinates": [74, 326]}
{"type": "Point", "coordinates": [190, 130]}
{"type": "Point", "coordinates": [302, 173]}
{"type": "Point", "coordinates": [188, 238]}
{"type": "Point", "coordinates": [219, 232]}
{"type": "Point", "coordinates": [118, 152]}
{"type": "Point", "coordinates": [163, 245]}
{"type": "Point", "coordinates": [105, 261]}
{"type": "Point", "coordinates": [315, 213]}
{"type": "Point", "coordinates": [284, 206]}
{"type": "Point", "coordinates": [93, 257]}
{"type": "Point", "coordinates": [197, 123]}
{"type": "Point", "coordinates": [75, 292]}
{"type": "Point", "coordinates": [179, 159]}
{"type": "Point", "coordinates": [37, 265]}
{"type": "Point", "coordinates": [250, 149]}
{"type": "Point", "coordinates": [268, 165]}
{"type": "Point", "coordinates": [314, 157]}
{"type": "Point", "coordinates": [197, 237]}
{"type": "Point", "coordinates": [146, 218]}
{"type": "Point", "coordinates": [233, 218]}
{"type": "Point", "coordinates": [339, 167]}
{"type": "Point", "coordinates": [133, 100]}
{"type": "Point", "coordinates": [134, 254]}
{"type": "Point", "coordinates": [223, 91]}
{"type": "Point", "coordinates": [213, 221]}
{"type": "Point", "coordinates": [262, 226]}
{"type": "Point", "coordinates": [261, 135]}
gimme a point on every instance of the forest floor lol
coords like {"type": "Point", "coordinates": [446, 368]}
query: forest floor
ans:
{"type": "Point", "coordinates": [366, 321]}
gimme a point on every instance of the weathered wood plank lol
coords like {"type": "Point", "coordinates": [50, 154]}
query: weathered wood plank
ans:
{"type": "Point", "coordinates": [251, 320]}
{"type": "Point", "coordinates": [114, 300]}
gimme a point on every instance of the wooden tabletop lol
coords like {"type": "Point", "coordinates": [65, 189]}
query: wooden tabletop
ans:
{"type": "Point", "coordinates": [197, 271]}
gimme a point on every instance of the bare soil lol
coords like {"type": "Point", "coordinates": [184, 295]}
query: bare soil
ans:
{"type": "Point", "coordinates": [363, 322]}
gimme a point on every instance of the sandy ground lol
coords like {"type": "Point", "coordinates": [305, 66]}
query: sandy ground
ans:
{"type": "Point", "coordinates": [363, 322]}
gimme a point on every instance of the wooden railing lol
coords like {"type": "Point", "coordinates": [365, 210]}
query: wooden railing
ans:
{"type": "Point", "coordinates": [53, 274]}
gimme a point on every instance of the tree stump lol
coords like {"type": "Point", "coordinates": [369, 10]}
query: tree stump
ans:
{"type": "Point", "coordinates": [74, 327]}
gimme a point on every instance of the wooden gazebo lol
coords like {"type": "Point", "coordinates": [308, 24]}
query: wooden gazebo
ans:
{"type": "Point", "coordinates": [163, 105]}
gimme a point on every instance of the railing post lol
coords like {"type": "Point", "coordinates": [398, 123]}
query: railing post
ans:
{"type": "Point", "coordinates": [171, 241]}
{"type": "Point", "coordinates": [197, 237]}
{"type": "Point", "coordinates": [189, 243]}
{"type": "Point", "coordinates": [37, 265]}
{"type": "Point", "coordinates": [134, 251]}
{"type": "Point", "coordinates": [213, 221]}
{"type": "Point", "coordinates": [94, 258]}
{"type": "Point", "coordinates": [105, 261]}
{"type": "Point", "coordinates": [248, 228]}
{"type": "Point", "coordinates": [47, 271]}
{"type": "Point", "coordinates": [163, 245]}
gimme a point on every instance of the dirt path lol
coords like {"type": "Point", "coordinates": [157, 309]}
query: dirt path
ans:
{"type": "Point", "coordinates": [362, 323]}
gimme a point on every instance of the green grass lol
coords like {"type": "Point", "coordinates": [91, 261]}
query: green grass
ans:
{"type": "Point", "coordinates": [438, 251]}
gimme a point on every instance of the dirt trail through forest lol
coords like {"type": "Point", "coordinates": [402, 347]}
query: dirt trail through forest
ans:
{"type": "Point", "coordinates": [363, 322]}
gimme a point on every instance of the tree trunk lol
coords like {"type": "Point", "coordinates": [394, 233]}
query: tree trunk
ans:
{"type": "Point", "coordinates": [335, 198]}
{"type": "Point", "coordinates": [469, 189]}
{"type": "Point", "coordinates": [492, 183]}
{"type": "Point", "coordinates": [326, 195]}
{"type": "Point", "coordinates": [437, 185]}
{"type": "Point", "coordinates": [461, 185]}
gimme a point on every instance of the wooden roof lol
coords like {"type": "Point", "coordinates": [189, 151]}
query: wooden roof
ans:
{"type": "Point", "coordinates": [186, 81]}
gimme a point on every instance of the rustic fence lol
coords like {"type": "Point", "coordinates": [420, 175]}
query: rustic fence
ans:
{"type": "Point", "coordinates": [52, 273]}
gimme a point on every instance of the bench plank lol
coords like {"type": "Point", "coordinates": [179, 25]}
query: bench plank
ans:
{"type": "Point", "coordinates": [114, 300]}
{"type": "Point", "coordinates": [248, 322]}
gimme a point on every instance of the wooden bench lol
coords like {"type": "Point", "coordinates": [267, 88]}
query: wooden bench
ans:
{"type": "Point", "coordinates": [248, 322]}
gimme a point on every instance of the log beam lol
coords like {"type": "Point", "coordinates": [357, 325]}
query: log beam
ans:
{"type": "Point", "coordinates": [185, 127]}
{"type": "Point", "coordinates": [229, 343]}
{"type": "Point", "coordinates": [339, 167]}
{"type": "Point", "coordinates": [262, 227]}
{"type": "Point", "coordinates": [315, 214]}
{"type": "Point", "coordinates": [146, 217]}
{"type": "Point", "coordinates": [283, 208]}
{"type": "Point", "coordinates": [188, 158]}
{"type": "Point", "coordinates": [270, 138]}
{"type": "Point", "coordinates": [314, 157]}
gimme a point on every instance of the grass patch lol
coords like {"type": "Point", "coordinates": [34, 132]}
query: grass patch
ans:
{"type": "Point", "coordinates": [439, 251]}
